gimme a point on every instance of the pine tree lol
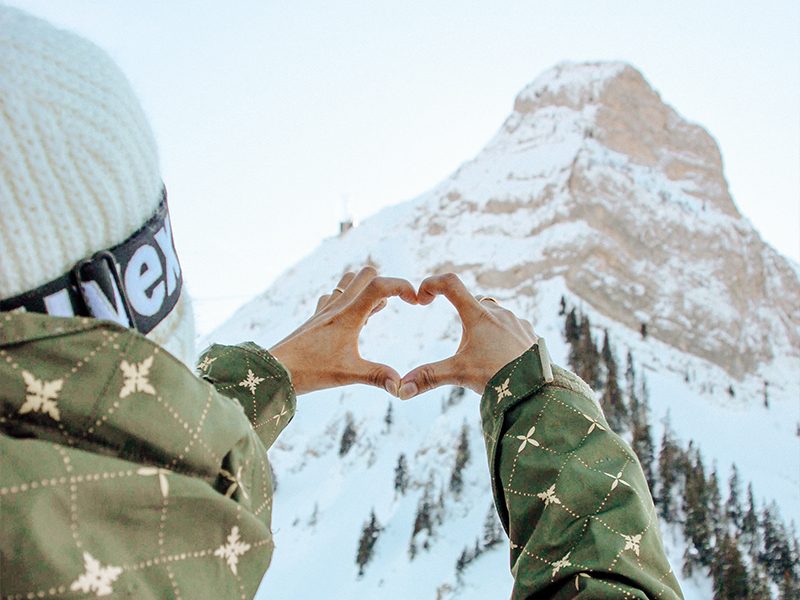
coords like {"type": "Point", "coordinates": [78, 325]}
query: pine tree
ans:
{"type": "Point", "coordinates": [776, 552]}
{"type": "Point", "coordinates": [572, 336]}
{"type": "Point", "coordinates": [461, 563]}
{"type": "Point", "coordinates": [696, 525]}
{"type": "Point", "coordinates": [716, 514]}
{"type": "Point", "coordinates": [589, 356]}
{"type": "Point", "coordinates": [612, 401]}
{"type": "Point", "coordinates": [733, 507]}
{"type": "Point", "coordinates": [366, 545]}
{"type": "Point", "coordinates": [642, 438]}
{"type": "Point", "coordinates": [758, 584]}
{"type": "Point", "coordinates": [668, 475]}
{"type": "Point", "coordinates": [401, 475]}
{"type": "Point", "coordinates": [462, 458]}
{"type": "Point", "coordinates": [750, 532]}
{"type": "Point", "coordinates": [630, 388]}
{"type": "Point", "coordinates": [388, 419]}
{"type": "Point", "coordinates": [348, 435]}
{"type": "Point", "coordinates": [492, 528]}
{"type": "Point", "coordinates": [423, 520]}
{"type": "Point", "coordinates": [729, 575]}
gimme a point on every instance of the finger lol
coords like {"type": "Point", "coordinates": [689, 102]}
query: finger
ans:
{"type": "Point", "coordinates": [429, 376]}
{"type": "Point", "coordinates": [345, 280]}
{"type": "Point", "coordinates": [381, 305]}
{"type": "Point", "coordinates": [527, 326]}
{"type": "Point", "coordinates": [379, 289]}
{"type": "Point", "coordinates": [451, 287]}
{"type": "Point", "coordinates": [379, 375]}
{"type": "Point", "coordinates": [358, 282]}
{"type": "Point", "coordinates": [323, 300]}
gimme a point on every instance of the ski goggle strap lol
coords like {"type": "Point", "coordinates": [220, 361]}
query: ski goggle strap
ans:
{"type": "Point", "coordinates": [136, 283]}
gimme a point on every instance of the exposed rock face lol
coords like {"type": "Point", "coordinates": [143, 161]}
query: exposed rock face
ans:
{"type": "Point", "coordinates": [637, 215]}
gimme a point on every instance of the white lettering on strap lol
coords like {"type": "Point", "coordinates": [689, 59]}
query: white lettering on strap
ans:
{"type": "Point", "coordinates": [59, 304]}
{"type": "Point", "coordinates": [143, 270]}
{"type": "Point", "coordinates": [164, 238]}
{"type": "Point", "coordinates": [100, 306]}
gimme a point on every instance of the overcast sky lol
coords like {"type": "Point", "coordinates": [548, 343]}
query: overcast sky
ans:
{"type": "Point", "coordinates": [269, 113]}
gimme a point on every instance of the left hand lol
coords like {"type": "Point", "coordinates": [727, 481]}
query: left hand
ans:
{"type": "Point", "coordinates": [323, 352]}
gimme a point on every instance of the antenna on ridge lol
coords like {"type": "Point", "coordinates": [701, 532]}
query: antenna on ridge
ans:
{"type": "Point", "coordinates": [346, 224]}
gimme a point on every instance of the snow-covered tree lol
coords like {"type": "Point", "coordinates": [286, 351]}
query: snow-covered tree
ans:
{"type": "Point", "coordinates": [493, 532]}
{"type": "Point", "coordinates": [401, 475]}
{"type": "Point", "coordinates": [612, 400]}
{"type": "Point", "coordinates": [461, 460]}
{"type": "Point", "coordinates": [733, 506]}
{"type": "Point", "coordinates": [366, 544]}
{"type": "Point", "coordinates": [348, 435]}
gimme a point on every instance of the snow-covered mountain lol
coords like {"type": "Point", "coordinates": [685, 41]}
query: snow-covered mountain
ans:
{"type": "Point", "coordinates": [594, 190]}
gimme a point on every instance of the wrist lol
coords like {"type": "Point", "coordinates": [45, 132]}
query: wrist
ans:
{"type": "Point", "coordinates": [295, 376]}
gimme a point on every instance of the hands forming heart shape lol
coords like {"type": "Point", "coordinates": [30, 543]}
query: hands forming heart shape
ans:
{"type": "Point", "coordinates": [323, 352]}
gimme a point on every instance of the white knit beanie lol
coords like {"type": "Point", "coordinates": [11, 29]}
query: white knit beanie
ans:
{"type": "Point", "coordinates": [79, 165]}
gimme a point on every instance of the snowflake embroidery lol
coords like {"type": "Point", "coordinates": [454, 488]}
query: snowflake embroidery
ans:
{"type": "Point", "coordinates": [632, 542]}
{"type": "Point", "coordinates": [617, 480]}
{"type": "Point", "coordinates": [282, 414]}
{"type": "Point", "coordinates": [205, 364]}
{"type": "Point", "coordinates": [236, 482]}
{"type": "Point", "coordinates": [561, 564]}
{"type": "Point", "coordinates": [136, 378]}
{"type": "Point", "coordinates": [162, 477]}
{"type": "Point", "coordinates": [549, 496]}
{"type": "Point", "coordinates": [251, 383]}
{"type": "Point", "coordinates": [41, 396]}
{"type": "Point", "coordinates": [502, 390]}
{"type": "Point", "coordinates": [232, 550]}
{"type": "Point", "coordinates": [527, 439]}
{"type": "Point", "coordinates": [594, 423]}
{"type": "Point", "coordinates": [95, 579]}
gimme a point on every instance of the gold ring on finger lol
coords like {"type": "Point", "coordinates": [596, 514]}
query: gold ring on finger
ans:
{"type": "Point", "coordinates": [489, 299]}
{"type": "Point", "coordinates": [338, 289]}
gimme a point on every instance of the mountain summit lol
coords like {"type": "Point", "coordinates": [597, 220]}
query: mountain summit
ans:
{"type": "Point", "coordinates": [593, 194]}
{"type": "Point", "coordinates": [611, 189]}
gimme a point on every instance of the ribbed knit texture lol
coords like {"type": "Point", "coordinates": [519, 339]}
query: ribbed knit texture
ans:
{"type": "Point", "coordinates": [79, 167]}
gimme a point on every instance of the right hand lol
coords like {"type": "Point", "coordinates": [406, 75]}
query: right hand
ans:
{"type": "Point", "coordinates": [491, 337]}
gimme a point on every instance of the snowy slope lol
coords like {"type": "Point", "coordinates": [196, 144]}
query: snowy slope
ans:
{"type": "Point", "coordinates": [593, 190]}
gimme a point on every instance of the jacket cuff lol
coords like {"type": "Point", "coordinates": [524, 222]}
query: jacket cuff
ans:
{"type": "Point", "coordinates": [255, 378]}
{"type": "Point", "coordinates": [519, 379]}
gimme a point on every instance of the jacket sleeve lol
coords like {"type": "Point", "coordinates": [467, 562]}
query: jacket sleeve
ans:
{"type": "Point", "coordinates": [253, 377]}
{"type": "Point", "coordinates": [570, 492]}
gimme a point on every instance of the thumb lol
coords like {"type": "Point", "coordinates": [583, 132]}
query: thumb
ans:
{"type": "Point", "coordinates": [379, 375]}
{"type": "Point", "coordinates": [427, 377]}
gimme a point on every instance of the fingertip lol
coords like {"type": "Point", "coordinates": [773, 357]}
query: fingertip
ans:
{"type": "Point", "coordinates": [409, 296]}
{"type": "Point", "coordinates": [390, 385]}
{"type": "Point", "coordinates": [408, 390]}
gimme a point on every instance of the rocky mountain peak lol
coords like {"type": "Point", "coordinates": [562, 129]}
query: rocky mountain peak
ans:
{"type": "Point", "coordinates": [612, 190]}
{"type": "Point", "coordinates": [628, 116]}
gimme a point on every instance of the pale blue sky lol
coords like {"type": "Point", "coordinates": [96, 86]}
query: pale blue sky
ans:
{"type": "Point", "coordinates": [267, 113]}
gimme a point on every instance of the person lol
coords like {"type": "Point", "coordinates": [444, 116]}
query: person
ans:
{"type": "Point", "coordinates": [125, 474]}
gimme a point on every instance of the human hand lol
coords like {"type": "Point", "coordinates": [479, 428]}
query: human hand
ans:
{"type": "Point", "coordinates": [491, 337]}
{"type": "Point", "coordinates": [323, 352]}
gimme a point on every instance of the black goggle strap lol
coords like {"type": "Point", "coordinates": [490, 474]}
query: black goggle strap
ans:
{"type": "Point", "coordinates": [136, 283]}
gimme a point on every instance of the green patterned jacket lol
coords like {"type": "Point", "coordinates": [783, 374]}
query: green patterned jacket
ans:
{"type": "Point", "coordinates": [571, 494]}
{"type": "Point", "coordinates": [124, 474]}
